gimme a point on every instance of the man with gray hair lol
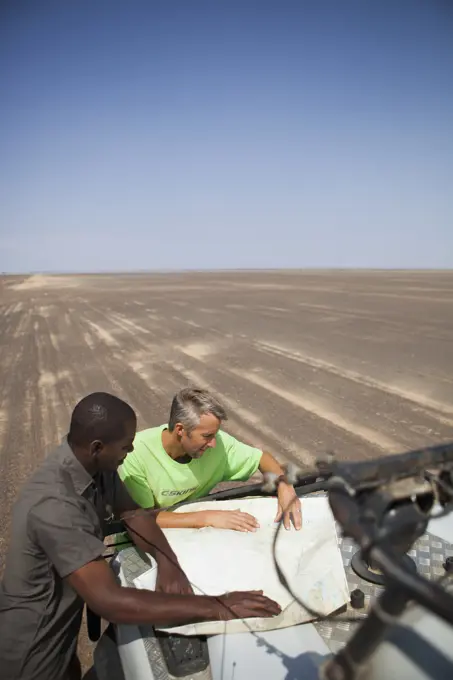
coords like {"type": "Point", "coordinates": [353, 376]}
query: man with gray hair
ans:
{"type": "Point", "coordinates": [187, 457]}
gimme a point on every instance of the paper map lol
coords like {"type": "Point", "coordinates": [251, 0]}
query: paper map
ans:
{"type": "Point", "coordinates": [217, 561]}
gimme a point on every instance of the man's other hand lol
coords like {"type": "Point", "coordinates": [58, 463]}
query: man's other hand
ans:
{"type": "Point", "coordinates": [247, 605]}
{"type": "Point", "coordinates": [289, 506]}
{"type": "Point", "coordinates": [229, 519]}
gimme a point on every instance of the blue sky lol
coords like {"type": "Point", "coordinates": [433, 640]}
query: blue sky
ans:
{"type": "Point", "coordinates": [202, 135]}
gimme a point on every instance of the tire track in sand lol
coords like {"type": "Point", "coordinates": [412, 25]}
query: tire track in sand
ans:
{"type": "Point", "coordinates": [419, 399]}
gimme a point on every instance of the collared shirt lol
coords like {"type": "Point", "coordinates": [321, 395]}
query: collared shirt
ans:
{"type": "Point", "coordinates": [58, 525]}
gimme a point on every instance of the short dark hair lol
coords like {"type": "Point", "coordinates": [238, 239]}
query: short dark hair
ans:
{"type": "Point", "coordinates": [190, 403]}
{"type": "Point", "coordinates": [99, 416]}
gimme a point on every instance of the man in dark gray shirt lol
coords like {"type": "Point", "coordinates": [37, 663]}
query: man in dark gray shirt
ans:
{"type": "Point", "coordinates": [55, 562]}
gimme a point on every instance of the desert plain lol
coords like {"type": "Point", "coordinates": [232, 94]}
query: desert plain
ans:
{"type": "Point", "coordinates": [357, 363]}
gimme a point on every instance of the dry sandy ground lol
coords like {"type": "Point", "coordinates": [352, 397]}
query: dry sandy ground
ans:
{"type": "Point", "coordinates": [357, 363]}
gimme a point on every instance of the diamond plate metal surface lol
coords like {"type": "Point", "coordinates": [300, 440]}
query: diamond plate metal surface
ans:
{"type": "Point", "coordinates": [133, 565]}
{"type": "Point", "coordinates": [429, 554]}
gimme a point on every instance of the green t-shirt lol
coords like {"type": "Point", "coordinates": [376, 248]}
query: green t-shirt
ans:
{"type": "Point", "coordinates": [155, 480]}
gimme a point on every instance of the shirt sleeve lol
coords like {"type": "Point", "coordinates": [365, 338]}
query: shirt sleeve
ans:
{"type": "Point", "coordinates": [65, 533]}
{"type": "Point", "coordinates": [242, 460]}
{"type": "Point", "coordinates": [135, 481]}
{"type": "Point", "coordinates": [123, 501]}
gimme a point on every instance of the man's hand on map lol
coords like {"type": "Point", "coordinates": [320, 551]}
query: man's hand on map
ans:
{"type": "Point", "coordinates": [246, 605]}
{"type": "Point", "coordinates": [229, 519]}
{"type": "Point", "coordinates": [289, 505]}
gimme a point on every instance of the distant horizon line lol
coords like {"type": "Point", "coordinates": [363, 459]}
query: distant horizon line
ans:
{"type": "Point", "coordinates": [138, 272]}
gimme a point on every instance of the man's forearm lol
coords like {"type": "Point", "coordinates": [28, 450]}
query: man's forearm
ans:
{"type": "Point", "coordinates": [269, 464]}
{"type": "Point", "coordinates": [180, 520]}
{"type": "Point", "coordinates": [147, 535]}
{"type": "Point", "coordinates": [131, 606]}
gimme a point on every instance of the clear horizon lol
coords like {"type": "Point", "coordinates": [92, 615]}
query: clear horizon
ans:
{"type": "Point", "coordinates": [218, 270]}
{"type": "Point", "coordinates": [239, 136]}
